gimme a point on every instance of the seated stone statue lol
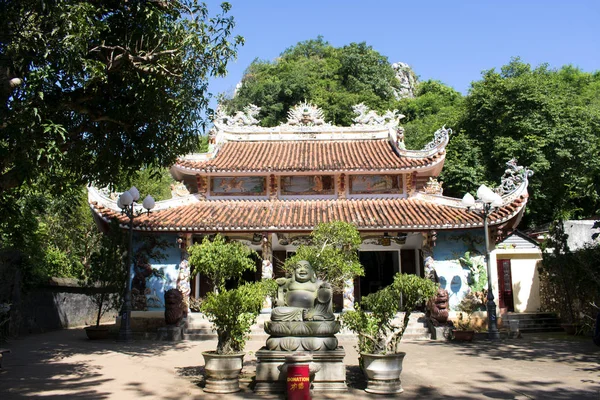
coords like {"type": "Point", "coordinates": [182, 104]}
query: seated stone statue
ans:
{"type": "Point", "coordinates": [302, 297]}
{"type": "Point", "coordinates": [302, 318]}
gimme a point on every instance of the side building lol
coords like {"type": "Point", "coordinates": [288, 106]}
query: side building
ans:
{"type": "Point", "coordinates": [269, 187]}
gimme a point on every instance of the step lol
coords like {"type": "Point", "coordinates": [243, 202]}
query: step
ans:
{"type": "Point", "coordinates": [519, 316]}
{"type": "Point", "coordinates": [200, 328]}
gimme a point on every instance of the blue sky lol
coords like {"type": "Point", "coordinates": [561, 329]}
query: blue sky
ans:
{"type": "Point", "coordinates": [451, 41]}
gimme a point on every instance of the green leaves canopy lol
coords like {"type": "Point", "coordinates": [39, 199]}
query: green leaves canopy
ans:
{"type": "Point", "coordinates": [220, 261]}
{"type": "Point", "coordinates": [107, 274]}
{"type": "Point", "coordinates": [91, 90]}
{"type": "Point", "coordinates": [333, 78]}
{"type": "Point", "coordinates": [550, 121]}
{"type": "Point", "coordinates": [333, 253]}
{"type": "Point", "coordinates": [372, 319]}
{"type": "Point", "coordinates": [233, 312]}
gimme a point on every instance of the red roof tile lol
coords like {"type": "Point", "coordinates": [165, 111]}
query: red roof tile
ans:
{"type": "Point", "coordinates": [281, 156]}
{"type": "Point", "coordinates": [304, 215]}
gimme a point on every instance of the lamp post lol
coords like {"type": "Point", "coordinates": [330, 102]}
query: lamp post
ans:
{"type": "Point", "coordinates": [127, 202]}
{"type": "Point", "coordinates": [487, 202]}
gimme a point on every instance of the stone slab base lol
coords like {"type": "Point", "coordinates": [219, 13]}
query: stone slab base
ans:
{"type": "Point", "coordinates": [331, 375]}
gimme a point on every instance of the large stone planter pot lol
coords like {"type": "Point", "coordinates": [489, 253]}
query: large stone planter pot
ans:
{"type": "Point", "coordinates": [222, 372]}
{"type": "Point", "coordinates": [383, 372]}
{"type": "Point", "coordinates": [97, 332]}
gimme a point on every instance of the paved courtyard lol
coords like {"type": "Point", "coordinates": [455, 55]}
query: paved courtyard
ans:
{"type": "Point", "coordinates": [64, 364]}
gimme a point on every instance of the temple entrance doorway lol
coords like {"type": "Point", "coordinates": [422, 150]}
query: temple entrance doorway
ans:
{"type": "Point", "coordinates": [380, 267]}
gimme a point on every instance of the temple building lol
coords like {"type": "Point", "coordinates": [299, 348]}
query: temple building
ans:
{"type": "Point", "coordinates": [269, 187]}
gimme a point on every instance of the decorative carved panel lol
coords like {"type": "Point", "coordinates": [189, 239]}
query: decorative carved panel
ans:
{"type": "Point", "coordinates": [307, 185]}
{"type": "Point", "coordinates": [238, 186]}
{"type": "Point", "coordinates": [375, 184]}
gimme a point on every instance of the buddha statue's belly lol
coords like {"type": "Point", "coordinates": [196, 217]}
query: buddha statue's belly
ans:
{"type": "Point", "coordinates": [301, 298]}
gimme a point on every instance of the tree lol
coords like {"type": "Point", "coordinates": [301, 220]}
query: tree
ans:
{"type": "Point", "coordinates": [433, 106]}
{"type": "Point", "coordinates": [91, 90]}
{"type": "Point", "coordinates": [550, 121]}
{"type": "Point", "coordinates": [335, 79]}
{"type": "Point", "coordinates": [220, 261]}
{"type": "Point", "coordinates": [332, 252]}
{"type": "Point", "coordinates": [105, 278]}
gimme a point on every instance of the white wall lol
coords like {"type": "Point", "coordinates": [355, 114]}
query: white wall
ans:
{"type": "Point", "coordinates": [525, 279]}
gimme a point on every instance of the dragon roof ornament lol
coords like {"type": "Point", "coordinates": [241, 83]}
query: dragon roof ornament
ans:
{"type": "Point", "coordinates": [240, 119]}
{"type": "Point", "coordinates": [514, 177]}
{"type": "Point", "coordinates": [366, 116]}
{"type": "Point", "coordinates": [440, 136]}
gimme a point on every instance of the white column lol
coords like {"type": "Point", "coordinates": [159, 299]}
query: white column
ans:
{"type": "Point", "coordinates": [267, 268]}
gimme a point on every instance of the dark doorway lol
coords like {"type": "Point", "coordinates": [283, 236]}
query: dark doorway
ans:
{"type": "Point", "coordinates": [408, 262]}
{"type": "Point", "coordinates": [380, 267]}
{"type": "Point", "coordinates": [279, 257]}
{"type": "Point", "coordinates": [505, 295]}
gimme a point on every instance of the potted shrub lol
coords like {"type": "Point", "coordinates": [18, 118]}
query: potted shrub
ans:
{"type": "Point", "coordinates": [105, 278]}
{"type": "Point", "coordinates": [378, 336]}
{"type": "Point", "coordinates": [232, 311]}
{"type": "Point", "coordinates": [469, 304]}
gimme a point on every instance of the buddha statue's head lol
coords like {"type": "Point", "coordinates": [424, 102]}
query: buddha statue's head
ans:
{"type": "Point", "coordinates": [303, 272]}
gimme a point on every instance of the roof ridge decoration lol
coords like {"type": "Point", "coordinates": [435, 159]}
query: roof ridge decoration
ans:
{"type": "Point", "coordinates": [306, 114]}
{"type": "Point", "coordinates": [514, 177]}
{"type": "Point", "coordinates": [241, 118]}
{"type": "Point", "coordinates": [366, 116]}
{"type": "Point", "coordinates": [440, 136]}
{"type": "Point", "coordinates": [438, 144]}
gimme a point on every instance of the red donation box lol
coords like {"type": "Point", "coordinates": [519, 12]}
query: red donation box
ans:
{"type": "Point", "coordinates": [298, 382]}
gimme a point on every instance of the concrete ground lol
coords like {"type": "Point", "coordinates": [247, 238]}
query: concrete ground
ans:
{"type": "Point", "coordinates": [65, 364]}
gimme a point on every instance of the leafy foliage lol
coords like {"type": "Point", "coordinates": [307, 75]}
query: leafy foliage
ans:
{"type": "Point", "coordinates": [156, 183]}
{"type": "Point", "coordinates": [107, 274]}
{"type": "Point", "coordinates": [333, 253]}
{"type": "Point", "coordinates": [233, 312]}
{"type": "Point", "coordinates": [333, 78]}
{"type": "Point", "coordinates": [220, 261]}
{"type": "Point", "coordinates": [92, 90]}
{"type": "Point", "coordinates": [550, 121]}
{"type": "Point", "coordinates": [54, 235]}
{"type": "Point", "coordinates": [433, 106]}
{"type": "Point", "coordinates": [373, 319]}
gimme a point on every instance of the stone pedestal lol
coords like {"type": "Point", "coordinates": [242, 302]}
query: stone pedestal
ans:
{"type": "Point", "coordinates": [441, 332]}
{"type": "Point", "coordinates": [172, 332]}
{"type": "Point", "coordinates": [271, 375]}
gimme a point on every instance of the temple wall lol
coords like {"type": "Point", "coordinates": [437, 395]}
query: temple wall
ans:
{"type": "Point", "coordinates": [449, 248]}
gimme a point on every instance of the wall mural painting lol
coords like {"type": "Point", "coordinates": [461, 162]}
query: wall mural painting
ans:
{"type": "Point", "coordinates": [369, 184]}
{"type": "Point", "coordinates": [307, 184]}
{"type": "Point", "coordinates": [238, 186]}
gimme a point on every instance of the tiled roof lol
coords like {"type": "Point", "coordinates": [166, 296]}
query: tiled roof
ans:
{"type": "Point", "coordinates": [281, 156]}
{"type": "Point", "coordinates": [304, 215]}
